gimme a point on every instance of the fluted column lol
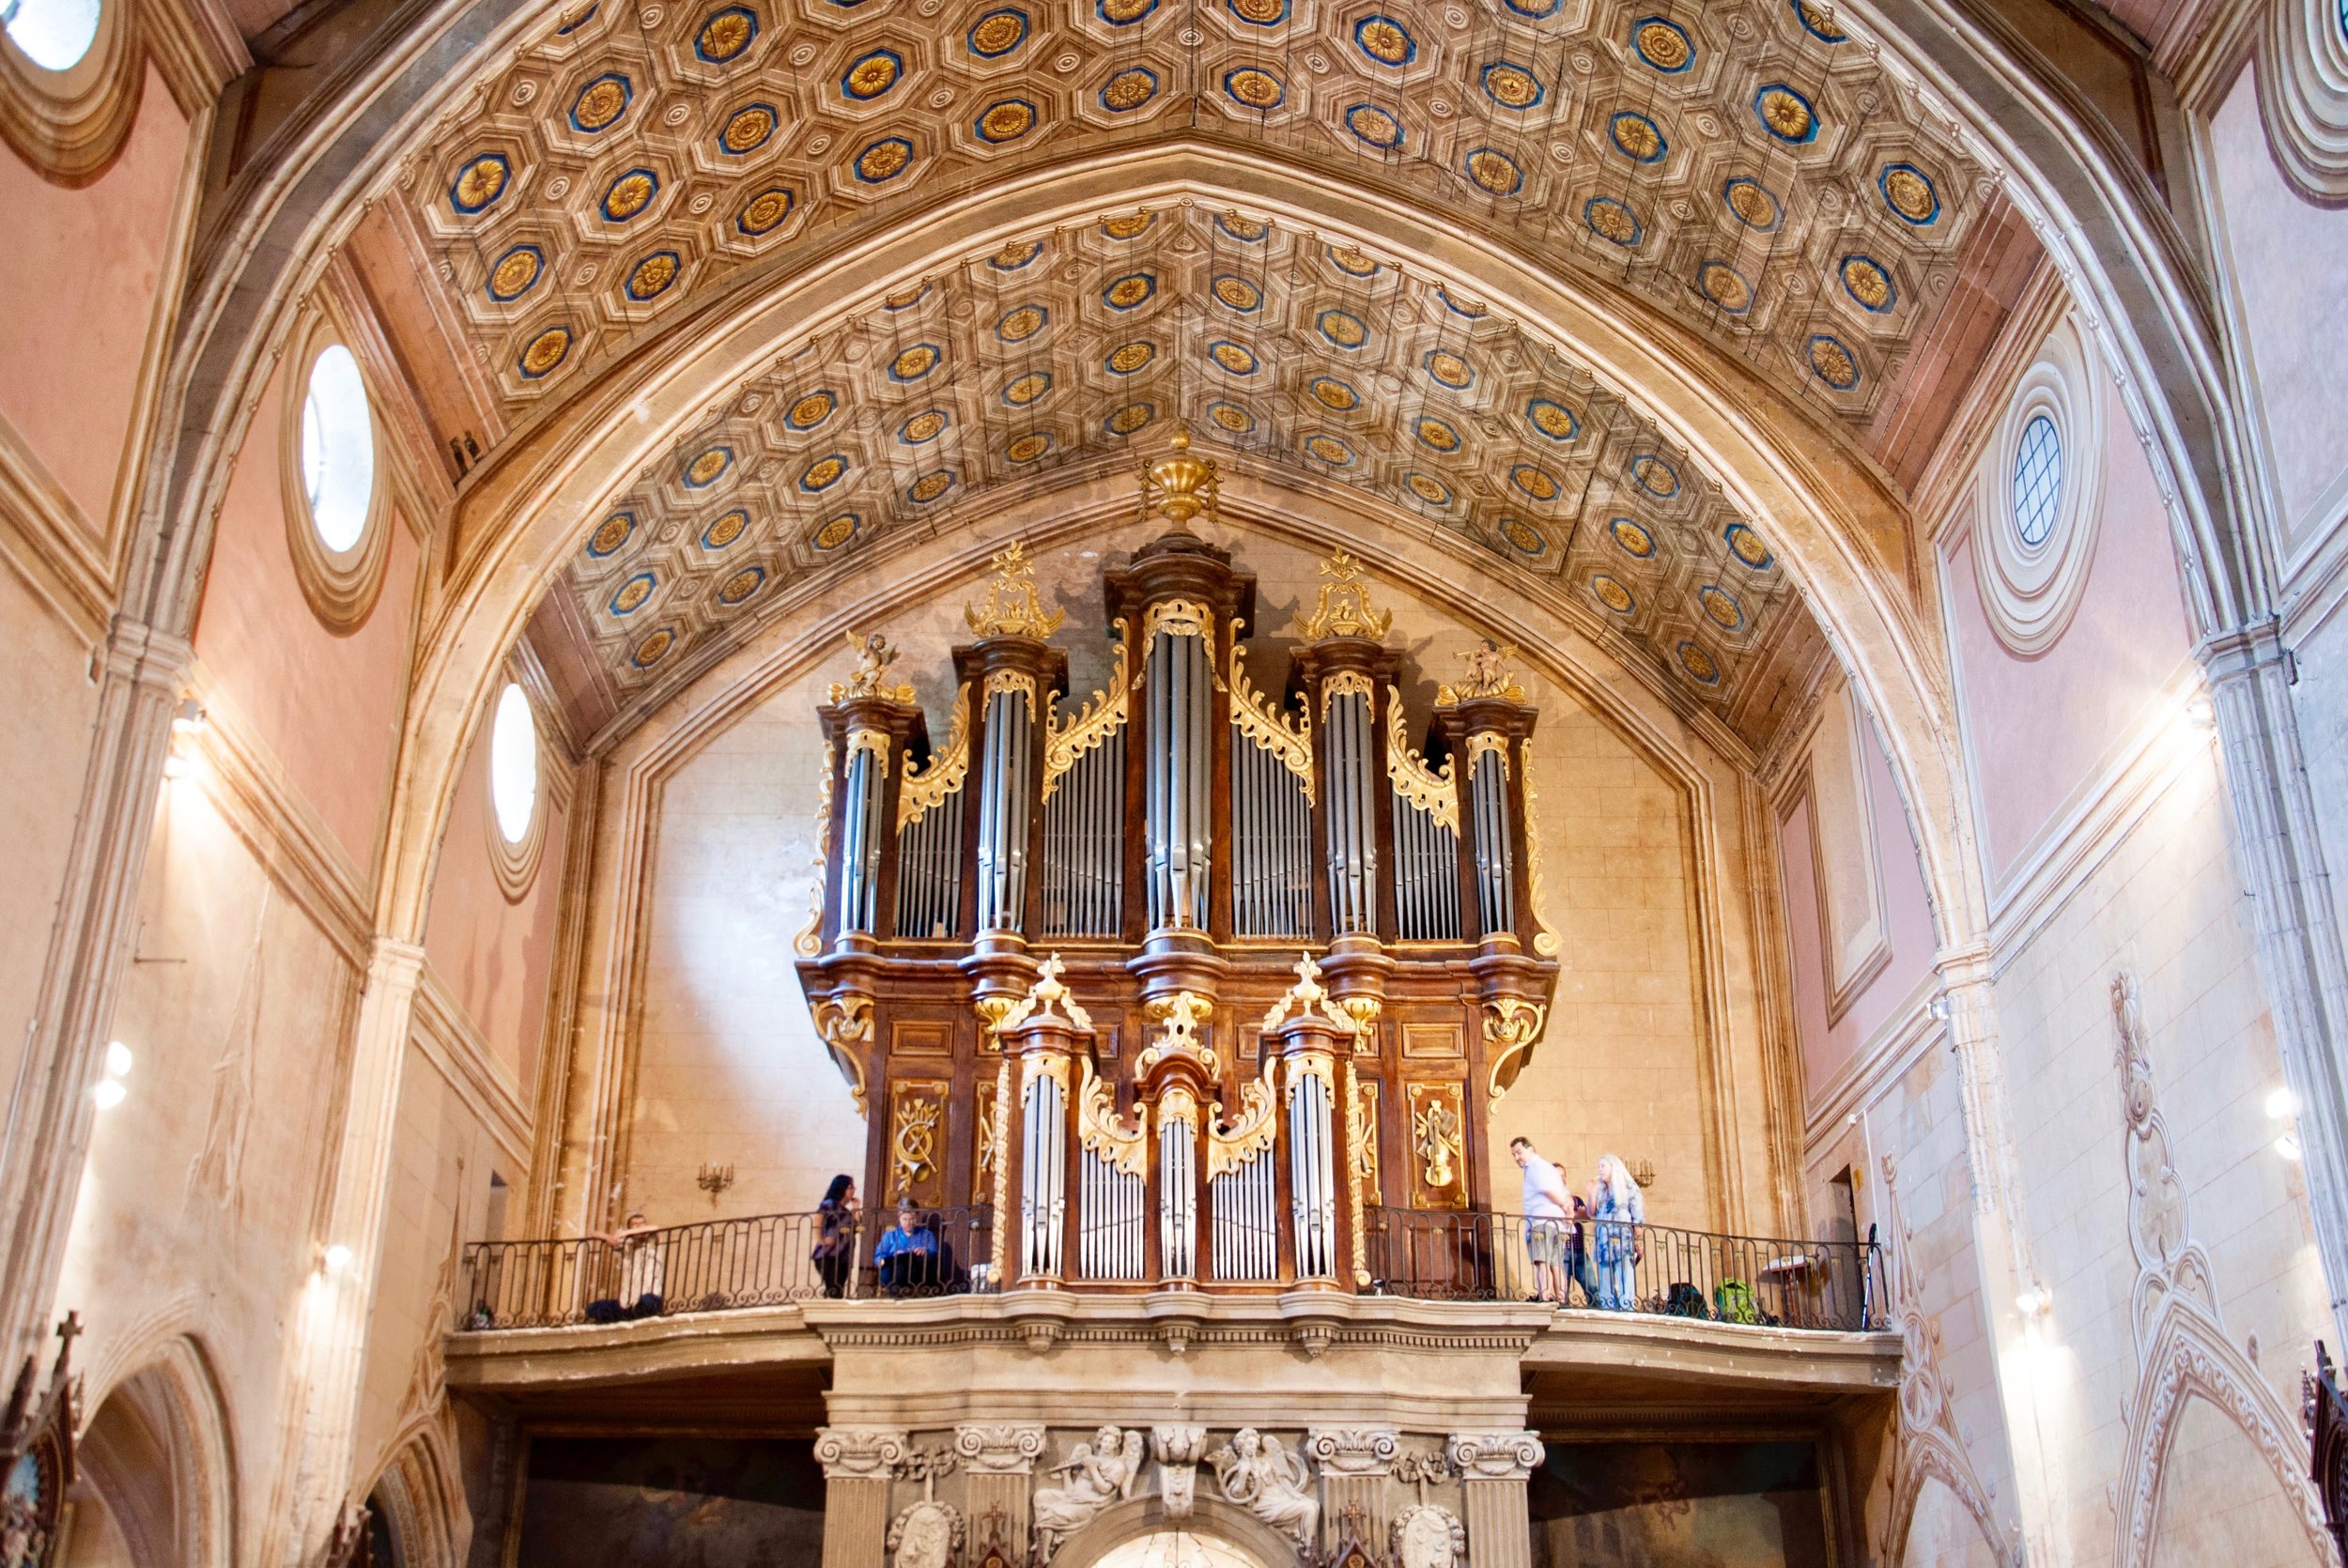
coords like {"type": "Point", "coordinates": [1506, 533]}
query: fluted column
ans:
{"type": "Point", "coordinates": [1355, 1463]}
{"type": "Point", "coordinates": [858, 1462]}
{"type": "Point", "coordinates": [998, 1473]}
{"type": "Point", "coordinates": [1493, 1468]}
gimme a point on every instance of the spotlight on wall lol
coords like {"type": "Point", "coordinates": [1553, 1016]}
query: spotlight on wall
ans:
{"type": "Point", "coordinates": [190, 720]}
{"type": "Point", "coordinates": [336, 1258]}
{"type": "Point", "coordinates": [177, 767]}
{"type": "Point", "coordinates": [108, 1093]}
{"type": "Point", "coordinates": [2288, 1147]}
{"type": "Point", "coordinates": [2035, 1303]}
{"type": "Point", "coordinates": [118, 1059]}
{"type": "Point", "coordinates": [109, 1090]}
{"type": "Point", "coordinates": [2199, 711]}
{"type": "Point", "coordinates": [2281, 1105]}
{"type": "Point", "coordinates": [1938, 1008]}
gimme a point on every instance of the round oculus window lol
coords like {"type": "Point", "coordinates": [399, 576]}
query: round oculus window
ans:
{"type": "Point", "coordinates": [337, 450]}
{"type": "Point", "coordinates": [2037, 479]}
{"type": "Point", "coordinates": [53, 34]}
{"type": "Point", "coordinates": [514, 764]}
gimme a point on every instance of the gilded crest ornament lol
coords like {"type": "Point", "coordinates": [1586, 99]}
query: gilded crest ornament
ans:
{"type": "Point", "coordinates": [1343, 608]}
{"type": "Point", "coordinates": [1011, 607]}
{"type": "Point", "coordinates": [1487, 675]}
{"type": "Point", "coordinates": [874, 660]}
{"type": "Point", "coordinates": [1180, 485]}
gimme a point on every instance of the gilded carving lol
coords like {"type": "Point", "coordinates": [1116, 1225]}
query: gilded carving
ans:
{"type": "Point", "coordinates": [1181, 1013]}
{"type": "Point", "coordinates": [1512, 1026]}
{"type": "Point", "coordinates": [1238, 1141]}
{"type": "Point", "coordinates": [1176, 618]}
{"type": "Point", "coordinates": [1433, 791]}
{"type": "Point", "coordinates": [1487, 675]}
{"type": "Point", "coordinates": [875, 659]}
{"type": "Point", "coordinates": [925, 789]}
{"type": "Point", "coordinates": [986, 1136]}
{"type": "Point", "coordinates": [1345, 683]}
{"type": "Point", "coordinates": [1016, 681]}
{"type": "Point", "coordinates": [874, 740]}
{"type": "Point", "coordinates": [915, 1117]}
{"type": "Point", "coordinates": [809, 942]}
{"type": "Point", "coordinates": [1044, 997]}
{"type": "Point", "coordinates": [1438, 1137]}
{"type": "Point", "coordinates": [1544, 942]}
{"type": "Point", "coordinates": [845, 1022]}
{"type": "Point", "coordinates": [1180, 486]}
{"type": "Point", "coordinates": [1485, 741]}
{"type": "Point", "coordinates": [1307, 998]}
{"type": "Point", "coordinates": [1343, 608]}
{"type": "Point", "coordinates": [1261, 720]}
{"type": "Point", "coordinates": [1011, 607]}
{"type": "Point", "coordinates": [1095, 722]}
{"type": "Point", "coordinates": [1100, 1129]}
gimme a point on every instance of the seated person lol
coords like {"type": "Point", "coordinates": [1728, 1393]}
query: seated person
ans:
{"type": "Point", "coordinates": [907, 1254]}
{"type": "Point", "coordinates": [639, 1272]}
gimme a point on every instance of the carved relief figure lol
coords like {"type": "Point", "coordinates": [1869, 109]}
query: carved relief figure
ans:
{"type": "Point", "coordinates": [1099, 1472]}
{"type": "Point", "coordinates": [1425, 1536]}
{"type": "Point", "coordinates": [926, 1536]}
{"type": "Point", "coordinates": [1257, 1472]}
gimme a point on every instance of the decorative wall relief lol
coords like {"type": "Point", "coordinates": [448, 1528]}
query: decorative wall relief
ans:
{"type": "Point", "coordinates": [846, 1023]}
{"type": "Point", "coordinates": [1438, 1139]}
{"type": "Point", "coordinates": [2182, 1347]}
{"type": "Point", "coordinates": [1009, 1448]}
{"type": "Point", "coordinates": [917, 1111]}
{"type": "Point", "coordinates": [1178, 1450]}
{"type": "Point", "coordinates": [1425, 1536]}
{"type": "Point", "coordinates": [1099, 1473]}
{"type": "Point", "coordinates": [987, 1134]}
{"type": "Point", "coordinates": [1256, 1471]}
{"type": "Point", "coordinates": [926, 1536]}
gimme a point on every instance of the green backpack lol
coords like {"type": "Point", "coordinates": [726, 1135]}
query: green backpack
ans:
{"type": "Point", "coordinates": [1733, 1299]}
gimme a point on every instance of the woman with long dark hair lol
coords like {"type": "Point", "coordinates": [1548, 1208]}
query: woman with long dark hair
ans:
{"type": "Point", "coordinates": [835, 1234]}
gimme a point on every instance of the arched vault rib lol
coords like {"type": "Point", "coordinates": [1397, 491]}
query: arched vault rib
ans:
{"type": "Point", "coordinates": [1831, 518]}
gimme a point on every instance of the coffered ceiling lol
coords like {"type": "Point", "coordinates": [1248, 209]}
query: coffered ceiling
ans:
{"type": "Point", "coordinates": [1087, 345]}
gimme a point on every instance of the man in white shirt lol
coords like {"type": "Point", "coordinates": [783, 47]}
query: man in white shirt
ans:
{"type": "Point", "coordinates": [1547, 1203]}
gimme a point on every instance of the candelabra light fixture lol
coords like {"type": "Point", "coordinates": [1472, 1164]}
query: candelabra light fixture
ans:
{"type": "Point", "coordinates": [714, 1179]}
{"type": "Point", "coordinates": [1643, 1173]}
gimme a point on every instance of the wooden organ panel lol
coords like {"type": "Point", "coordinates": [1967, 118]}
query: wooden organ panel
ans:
{"type": "Point", "coordinates": [1177, 984]}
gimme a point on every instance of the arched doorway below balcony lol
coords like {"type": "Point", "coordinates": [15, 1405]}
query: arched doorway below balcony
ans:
{"type": "Point", "coordinates": [1177, 1548]}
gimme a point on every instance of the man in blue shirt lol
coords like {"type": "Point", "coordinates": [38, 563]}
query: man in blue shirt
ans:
{"type": "Point", "coordinates": [907, 1254]}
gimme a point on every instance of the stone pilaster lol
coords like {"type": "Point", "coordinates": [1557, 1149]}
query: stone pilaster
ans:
{"type": "Point", "coordinates": [90, 945]}
{"type": "Point", "coordinates": [336, 1311]}
{"type": "Point", "coordinates": [1355, 1462]}
{"type": "Point", "coordinates": [1494, 1468]}
{"type": "Point", "coordinates": [2278, 844]}
{"type": "Point", "coordinates": [858, 1462]}
{"type": "Point", "coordinates": [998, 1471]}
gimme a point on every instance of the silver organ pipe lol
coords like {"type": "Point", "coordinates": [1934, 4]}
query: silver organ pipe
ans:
{"type": "Point", "coordinates": [860, 831]}
{"type": "Point", "coordinates": [1044, 1178]}
{"type": "Point", "coordinates": [1178, 695]}
{"type": "Point", "coordinates": [1495, 852]}
{"type": "Point", "coordinates": [1426, 875]}
{"type": "Point", "coordinates": [1084, 845]}
{"type": "Point", "coordinates": [929, 870]}
{"type": "Point", "coordinates": [1312, 1177]}
{"type": "Point", "coordinates": [1271, 878]}
{"type": "Point", "coordinates": [1352, 831]}
{"type": "Point", "coordinates": [1110, 1220]}
{"type": "Point", "coordinates": [1178, 1206]}
{"type": "Point", "coordinates": [1246, 1229]}
{"type": "Point", "coordinates": [1006, 784]}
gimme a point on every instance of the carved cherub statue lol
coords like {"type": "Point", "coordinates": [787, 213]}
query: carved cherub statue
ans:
{"type": "Point", "coordinates": [1257, 1472]}
{"type": "Point", "coordinates": [874, 660]}
{"type": "Point", "coordinates": [1099, 1472]}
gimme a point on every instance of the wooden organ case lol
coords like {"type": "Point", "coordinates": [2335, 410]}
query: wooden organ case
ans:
{"type": "Point", "coordinates": [1184, 986]}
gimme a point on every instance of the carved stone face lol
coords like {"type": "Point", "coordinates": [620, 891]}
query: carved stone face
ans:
{"type": "Point", "coordinates": [928, 1541]}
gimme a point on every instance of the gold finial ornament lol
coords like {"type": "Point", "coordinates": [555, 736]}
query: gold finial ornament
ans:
{"type": "Point", "coordinates": [1046, 996]}
{"type": "Point", "coordinates": [1011, 607]}
{"type": "Point", "coordinates": [1488, 675]}
{"type": "Point", "coordinates": [1179, 485]}
{"type": "Point", "coordinates": [1343, 608]}
{"type": "Point", "coordinates": [873, 659]}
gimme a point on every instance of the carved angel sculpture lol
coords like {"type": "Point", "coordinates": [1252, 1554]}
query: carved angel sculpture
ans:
{"type": "Point", "coordinates": [1257, 1472]}
{"type": "Point", "coordinates": [1099, 1472]}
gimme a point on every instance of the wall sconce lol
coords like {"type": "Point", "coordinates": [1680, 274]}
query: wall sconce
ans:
{"type": "Point", "coordinates": [187, 725]}
{"type": "Point", "coordinates": [1643, 1173]}
{"type": "Point", "coordinates": [109, 1090]}
{"type": "Point", "coordinates": [2034, 1303]}
{"type": "Point", "coordinates": [714, 1179]}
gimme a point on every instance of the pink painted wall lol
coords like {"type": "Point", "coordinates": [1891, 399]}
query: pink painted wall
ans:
{"type": "Point", "coordinates": [1827, 1048]}
{"type": "Point", "coordinates": [69, 362]}
{"type": "Point", "coordinates": [496, 957]}
{"type": "Point", "coordinates": [2286, 271]}
{"type": "Point", "coordinates": [327, 707]}
{"type": "Point", "coordinates": [2040, 728]}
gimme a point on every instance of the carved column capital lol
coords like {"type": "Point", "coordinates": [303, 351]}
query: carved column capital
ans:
{"type": "Point", "coordinates": [998, 1448]}
{"type": "Point", "coordinates": [1496, 1455]}
{"type": "Point", "coordinates": [1366, 1451]}
{"type": "Point", "coordinates": [858, 1452]}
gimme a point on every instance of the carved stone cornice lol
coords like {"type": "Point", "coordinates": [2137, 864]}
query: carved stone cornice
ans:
{"type": "Point", "coordinates": [1366, 1450]}
{"type": "Point", "coordinates": [859, 1453]}
{"type": "Point", "coordinates": [998, 1448]}
{"type": "Point", "coordinates": [1494, 1456]}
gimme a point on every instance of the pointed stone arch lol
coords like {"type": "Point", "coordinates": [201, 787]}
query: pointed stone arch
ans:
{"type": "Point", "coordinates": [2190, 1358]}
{"type": "Point", "coordinates": [157, 1457]}
{"type": "Point", "coordinates": [420, 1490]}
{"type": "Point", "coordinates": [1927, 1465]}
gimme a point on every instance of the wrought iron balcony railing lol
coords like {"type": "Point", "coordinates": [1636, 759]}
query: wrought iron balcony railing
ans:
{"type": "Point", "coordinates": [773, 1259]}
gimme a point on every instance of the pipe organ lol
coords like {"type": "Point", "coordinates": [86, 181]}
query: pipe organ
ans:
{"type": "Point", "coordinates": [1178, 984]}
